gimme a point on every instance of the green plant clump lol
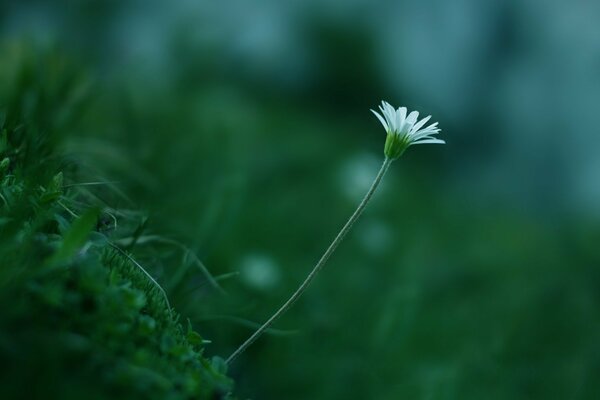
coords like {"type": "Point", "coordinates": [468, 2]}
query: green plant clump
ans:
{"type": "Point", "coordinates": [79, 317]}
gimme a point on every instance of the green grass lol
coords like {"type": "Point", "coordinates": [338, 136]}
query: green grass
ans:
{"type": "Point", "coordinates": [80, 317]}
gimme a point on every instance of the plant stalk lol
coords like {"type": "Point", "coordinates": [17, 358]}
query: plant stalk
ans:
{"type": "Point", "coordinates": [338, 239]}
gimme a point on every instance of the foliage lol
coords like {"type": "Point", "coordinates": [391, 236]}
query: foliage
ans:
{"type": "Point", "coordinates": [81, 318]}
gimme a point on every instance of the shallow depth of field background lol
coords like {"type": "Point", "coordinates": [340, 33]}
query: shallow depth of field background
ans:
{"type": "Point", "coordinates": [243, 129]}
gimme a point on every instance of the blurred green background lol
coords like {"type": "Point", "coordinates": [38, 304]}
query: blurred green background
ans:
{"type": "Point", "coordinates": [243, 130]}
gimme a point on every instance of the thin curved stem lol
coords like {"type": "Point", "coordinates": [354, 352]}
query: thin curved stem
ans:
{"type": "Point", "coordinates": [338, 239]}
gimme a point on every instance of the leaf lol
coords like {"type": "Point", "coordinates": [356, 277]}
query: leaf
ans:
{"type": "Point", "coordinates": [56, 184]}
{"type": "Point", "coordinates": [195, 338]}
{"type": "Point", "coordinates": [4, 164]}
{"type": "Point", "coordinates": [76, 236]}
{"type": "Point", "coordinates": [219, 365]}
{"type": "Point", "coordinates": [54, 190]}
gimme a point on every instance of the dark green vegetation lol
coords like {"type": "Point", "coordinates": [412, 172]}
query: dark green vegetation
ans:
{"type": "Point", "coordinates": [241, 134]}
{"type": "Point", "coordinates": [79, 317]}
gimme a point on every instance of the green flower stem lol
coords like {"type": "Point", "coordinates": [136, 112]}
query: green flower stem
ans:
{"type": "Point", "coordinates": [338, 239]}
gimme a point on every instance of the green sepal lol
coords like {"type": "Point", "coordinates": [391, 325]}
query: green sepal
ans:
{"type": "Point", "coordinates": [395, 145]}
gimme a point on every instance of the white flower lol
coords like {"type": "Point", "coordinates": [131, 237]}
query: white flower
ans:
{"type": "Point", "coordinates": [404, 131]}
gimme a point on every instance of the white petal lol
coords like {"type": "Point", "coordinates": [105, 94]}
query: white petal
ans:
{"type": "Point", "coordinates": [427, 131]}
{"type": "Point", "coordinates": [402, 111]}
{"type": "Point", "coordinates": [386, 106]}
{"type": "Point", "coordinates": [399, 121]}
{"type": "Point", "coordinates": [412, 118]}
{"type": "Point", "coordinates": [407, 126]}
{"type": "Point", "coordinates": [380, 118]}
{"type": "Point", "coordinates": [390, 116]}
{"type": "Point", "coordinates": [423, 134]}
{"type": "Point", "coordinates": [435, 141]}
{"type": "Point", "coordinates": [384, 115]}
{"type": "Point", "coordinates": [419, 124]}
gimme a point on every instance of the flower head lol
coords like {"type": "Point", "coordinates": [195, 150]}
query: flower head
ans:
{"type": "Point", "coordinates": [404, 130]}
